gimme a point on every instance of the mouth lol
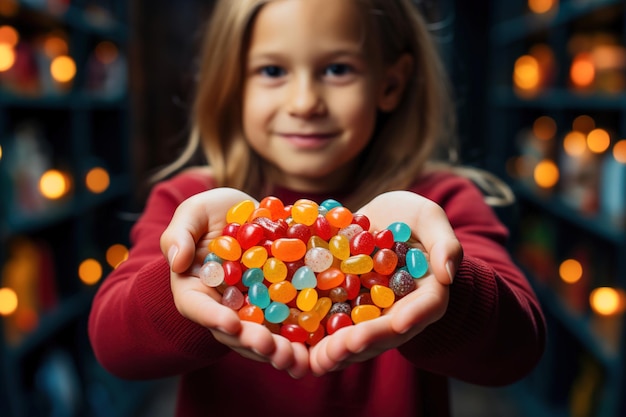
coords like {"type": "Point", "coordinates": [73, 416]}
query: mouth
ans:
{"type": "Point", "coordinates": [309, 140]}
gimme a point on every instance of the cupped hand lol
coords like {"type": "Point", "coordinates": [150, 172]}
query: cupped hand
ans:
{"type": "Point", "coordinates": [410, 315]}
{"type": "Point", "coordinates": [196, 221]}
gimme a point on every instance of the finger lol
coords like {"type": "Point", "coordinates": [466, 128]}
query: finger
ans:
{"type": "Point", "coordinates": [421, 308]}
{"type": "Point", "coordinates": [283, 357]}
{"type": "Point", "coordinates": [301, 365]}
{"type": "Point", "coordinates": [205, 311]}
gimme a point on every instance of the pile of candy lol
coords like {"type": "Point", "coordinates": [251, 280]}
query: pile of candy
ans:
{"type": "Point", "coordinates": [306, 270]}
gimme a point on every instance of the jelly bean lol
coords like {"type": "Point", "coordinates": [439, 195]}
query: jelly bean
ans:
{"type": "Point", "coordinates": [293, 316]}
{"type": "Point", "coordinates": [369, 279]}
{"type": "Point", "coordinates": [322, 307]}
{"type": "Point", "coordinates": [362, 244]}
{"type": "Point", "coordinates": [276, 312]}
{"type": "Point", "coordinates": [316, 336]}
{"type": "Point", "coordinates": [330, 278]}
{"type": "Point", "coordinates": [292, 267]}
{"type": "Point", "coordinates": [340, 308]}
{"type": "Point", "coordinates": [275, 270]}
{"type": "Point", "coordinates": [283, 292]}
{"type": "Point", "coordinates": [400, 248]}
{"type": "Point", "coordinates": [304, 213]}
{"type": "Point", "coordinates": [337, 321]}
{"type": "Point", "coordinates": [402, 283]}
{"type": "Point", "coordinates": [275, 207]}
{"type": "Point", "coordinates": [226, 247]}
{"type": "Point", "coordinates": [299, 231]}
{"type": "Point", "coordinates": [303, 278]}
{"type": "Point", "coordinates": [267, 244]}
{"type": "Point", "coordinates": [364, 312]}
{"type": "Point", "coordinates": [385, 261]}
{"type": "Point", "coordinates": [357, 264]}
{"type": "Point", "coordinates": [322, 228]}
{"type": "Point", "coordinates": [254, 257]}
{"type": "Point", "coordinates": [305, 201]}
{"type": "Point", "coordinates": [231, 229]}
{"type": "Point", "coordinates": [350, 231]}
{"type": "Point", "coordinates": [401, 231]}
{"type": "Point", "coordinates": [338, 294]}
{"type": "Point", "coordinates": [362, 220]}
{"type": "Point", "coordinates": [364, 298]}
{"type": "Point", "coordinates": [240, 212]}
{"type": "Point", "coordinates": [352, 284]}
{"type": "Point", "coordinates": [318, 259]}
{"type": "Point", "coordinates": [260, 212]}
{"type": "Point", "coordinates": [309, 321]}
{"type": "Point", "coordinates": [330, 204]}
{"type": "Point", "coordinates": [212, 274]}
{"type": "Point", "coordinates": [252, 313]}
{"type": "Point", "coordinates": [249, 235]}
{"type": "Point", "coordinates": [232, 298]}
{"type": "Point", "coordinates": [274, 229]}
{"type": "Point", "coordinates": [339, 246]}
{"type": "Point", "coordinates": [316, 242]}
{"type": "Point", "coordinates": [383, 297]}
{"type": "Point", "coordinates": [339, 217]}
{"type": "Point", "coordinates": [272, 327]}
{"type": "Point", "coordinates": [384, 239]}
{"type": "Point", "coordinates": [288, 249]}
{"type": "Point", "coordinates": [416, 263]}
{"type": "Point", "coordinates": [306, 299]}
{"type": "Point", "coordinates": [259, 295]}
{"type": "Point", "coordinates": [212, 257]}
{"type": "Point", "coordinates": [252, 276]}
{"type": "Point", "coordinates": [232, 272]}
{"type": "Point", "coordinates": [294, 333]}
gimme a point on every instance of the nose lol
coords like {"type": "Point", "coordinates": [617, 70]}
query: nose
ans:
{"type": "Point", "coordinates": [305, 99]}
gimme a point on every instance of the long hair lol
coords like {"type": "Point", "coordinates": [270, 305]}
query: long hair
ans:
{"type": "Point", "coordinates": [420, 130]}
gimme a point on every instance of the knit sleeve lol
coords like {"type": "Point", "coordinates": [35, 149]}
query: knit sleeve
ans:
{"type": "Point", "coordinates": [493, 332]}
{"type": "Point", "coordinates": [134, 327]}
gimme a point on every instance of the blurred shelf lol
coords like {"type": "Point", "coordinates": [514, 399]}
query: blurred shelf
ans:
{"type": "Point", "coordinates": [557, 99]}
{"type": "Point", "coordinates": [74, 100]}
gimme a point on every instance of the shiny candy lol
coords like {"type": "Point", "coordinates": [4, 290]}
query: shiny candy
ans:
{"type": "Point", "coordinates": [251, 276]}
{"type": "Point", "coordinates": [254, 257]}
{"type": "Point", "coordinates": [288, 249]}
{"type": "Point", "coordinates": [339, 217]}
{"type": "Point", "coordinates": [275, 270]}
{"type": "Point", "coordinates": [233, 298]}
{"type": "Point", "coordinates": [337, 321]}
{"type": "Point", "coordinates": [364, 312]}
{"type": "Point", "coordinates": [330, 278]}
{"type": "Point", "coordinates": [303, 278]}
{"type": "Point", "coordinates": [212, 274]}
{"type": "Point", "coordinates": [401, 231]}
{"type": "Point", "coordinates": [318, 259]}
{"type": "Point", "coordinates": [382, 296]}
{"type": "Point", "coordinates": [239, 213]}
{"type": "Point", "coordinates": [339, 246]}
{"type": "Point", "coordinates": [306, 299]}
{"type": "Point", "coordinates": [258, 295]}
{"type": "Point", "coordinates": [416, 263]}
{"type": "Point", "coordinates": [294, 333]}
{"type": "Point", "coordinates": [358, 264]}
{"type": "Point", "coordinates": [402, 283]}
{"type": "Point", "coordinates": [276, 312]}
{"type": "Point", "coordinates": [275, 206]}
{"type": "Point", "coordinates": [283, 292]}
{"type": "Point", "coordinates": [226, 247]}
{"type": "Point", "coordinates": [362, 244]}
{"type": "Point", "coordinates": [385, 261]}
{"type": "Point", "coordinates": [304, 213]}
{"type": "Point", "coordinates": [252, 313]}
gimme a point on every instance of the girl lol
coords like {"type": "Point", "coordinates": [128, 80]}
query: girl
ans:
{"type": "Point", "coordinates": [317, 99]}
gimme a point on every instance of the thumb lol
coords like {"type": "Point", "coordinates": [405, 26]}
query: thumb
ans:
{"type": "Point", "coordinates": [445, 258]}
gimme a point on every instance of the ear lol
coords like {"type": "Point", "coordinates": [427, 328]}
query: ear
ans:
{"type": "Point", "coordinates": [393, 83]}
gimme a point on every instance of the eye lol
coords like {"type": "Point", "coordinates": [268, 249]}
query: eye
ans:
{"type": "Point", "coordinates": [272, 71]}
{"type": "Point", "coordinates": [337, 70]}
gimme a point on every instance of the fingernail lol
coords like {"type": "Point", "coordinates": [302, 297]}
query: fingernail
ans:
{"type": "Point", "coordinates": [449, 269]}
{"type": "Point", "coordinates": [171, 255]}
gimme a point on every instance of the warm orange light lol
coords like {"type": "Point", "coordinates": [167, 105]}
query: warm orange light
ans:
{"type": "Point", "coordinates": [116, 254]}
{"type": "Point", "coordinates": [55, 46]}
{"type": "Point", "coordinates": [97, 180]}
{"type": "Point", "coordinates": [90, 271]}
{"type": "Point", "coordinates": [0, 152]}
{"type": "Point", "coordinates": [598, 140]}
{"type": "Point", "coordinates": [606, 301]}
{"type": "Point", "coordinates": [571, 271]}
{"type": "Point", "coordinates": [8, 301]}
{"type": "Point", "coordinates": [584, 124]}
{"type": "Point", "coordinates": [541, 6]}
{"type": "Point", "coordinates": [7, 57]}
{"type": "Point", "coordinates": [9, 7]}
{"type": "Point", "coordinates": [53, 184]}
{"type": "Point", "coordinates": [583, 71]}
{"type": "Point", "coordinates": [526, 75]}
{"type": "Point", "coordinates": [546, 174]}
{"type": "Point", "coordinates": [575, 144]}
{"type": "Point", "coordinates": [544, 128]}
{"type": "Point", "coordinates": [9, 36]}
{"type": "Point", "coordinates": [106, 52]}
{"type": "Point", "coordinates": [619, 151]}
{"type": "Point", "coordinates": [63, 68]}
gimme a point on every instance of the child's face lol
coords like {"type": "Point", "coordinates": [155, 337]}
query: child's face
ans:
{"type": "Point", "coordinates": [311, 95]}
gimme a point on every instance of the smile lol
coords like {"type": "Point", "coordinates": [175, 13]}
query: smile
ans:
{"type": "Point", "coordinates": [308, 141]}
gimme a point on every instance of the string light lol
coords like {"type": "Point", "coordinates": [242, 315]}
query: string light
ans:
{"type": "Point", "coordinates": [97, 180]}
{"type": "Point", "coordinates": [546, 174]}
{"type": "Point", "coordinates": [90, 271]}
{"type": "Point", "coordinates": [116, 254]}
{"type": "Point", "coordinates": [606, 301]}
{"type": "Point", "coordinates": [8, 301]}
{"type": "Point", "coordinates": [63, 68]}
{"type": "Point", "coordinates": [570, 271]}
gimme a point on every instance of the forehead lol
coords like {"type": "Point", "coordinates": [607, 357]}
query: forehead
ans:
{"type": "Point", "coordinates": [308, 24]}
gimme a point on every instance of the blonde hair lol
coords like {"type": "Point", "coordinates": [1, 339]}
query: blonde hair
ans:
{"type": "Point", "coordinates": [419, 130]}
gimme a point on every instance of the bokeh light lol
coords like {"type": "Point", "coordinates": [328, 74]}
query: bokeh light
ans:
{"type": "Point", "coordinates": [8, 301]}
{"type": "Point", "coordinates": [9, 36]}
{"type": "Point", "coordinates": [544, 128]}
{"type": "Point", "coordinates": [598, 140]}
{"type": "Point", "coordinates": [63, 68]}
{"type": "Point", "coordinates": [542, 6]}
{"type": "Point", "coordinates": [606, 301]}
{"type": "Point", "coordinates": [106, 52]}
{"type": "Point", "coordinates": [55, 46]}
{"type": "Point", "coordinates": [90, 271]}
{"type": "Point", "coordinates": [575, 144]}
{"type": "Point", "coordinates": [54, 184]}
{"type": "Point", "coordinates": [582, 71]}
{"type": "Point", "coordinates": [546, 174]}
{"type": "Point", "coordinates": [116, 254]}
{"type": "Point", "coordinates": [584, 124]}
{"type": "Point", "coordinates": [570, 271]}
{"type": "Point", "coordinates": [7, 57]}
{"type": "Point", "coordinates": [619, 151]}
{"type": "Point", "coordinates": [97, 180]}
{"type": "Point", "coordinates": [526, 75]}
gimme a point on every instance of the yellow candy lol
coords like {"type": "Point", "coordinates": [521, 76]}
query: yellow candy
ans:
{"type": "Point", "coordinates": [254, 257]}
{"type": "Point", "coordinates": [304, 213]}
{"type": "Point", "coordinates": [240, 213]}
{"type": "Point", "coordinates": [357, 264]}
{"type": "Point", "coordinates": [275, 270]}
{"type": "Point", "coordinates": [226, 247]}
{"type": "Point", "coordinates": [316, 242]}
{"type": "Point", "coordinates": [309, 321]}
{"type": "Point", "coordinates": [339, 246]}
{"type": "Point", "coordinates": [382, 296]}
{"type": "Point", "coordinates": [322, 307]}
{"type": "Point", "coordinates": [307, 298]}
{"type": "Point", "coordinates": [364, 312]}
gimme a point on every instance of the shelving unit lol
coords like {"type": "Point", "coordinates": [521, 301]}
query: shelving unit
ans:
{"type": "Point", "coordinates": [572, 213]}
{"type": "Point", "coordinates": [54, 238]}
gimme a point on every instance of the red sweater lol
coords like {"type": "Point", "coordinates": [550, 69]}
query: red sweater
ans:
{"type": "Point", "coordinates": [493, 332]}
